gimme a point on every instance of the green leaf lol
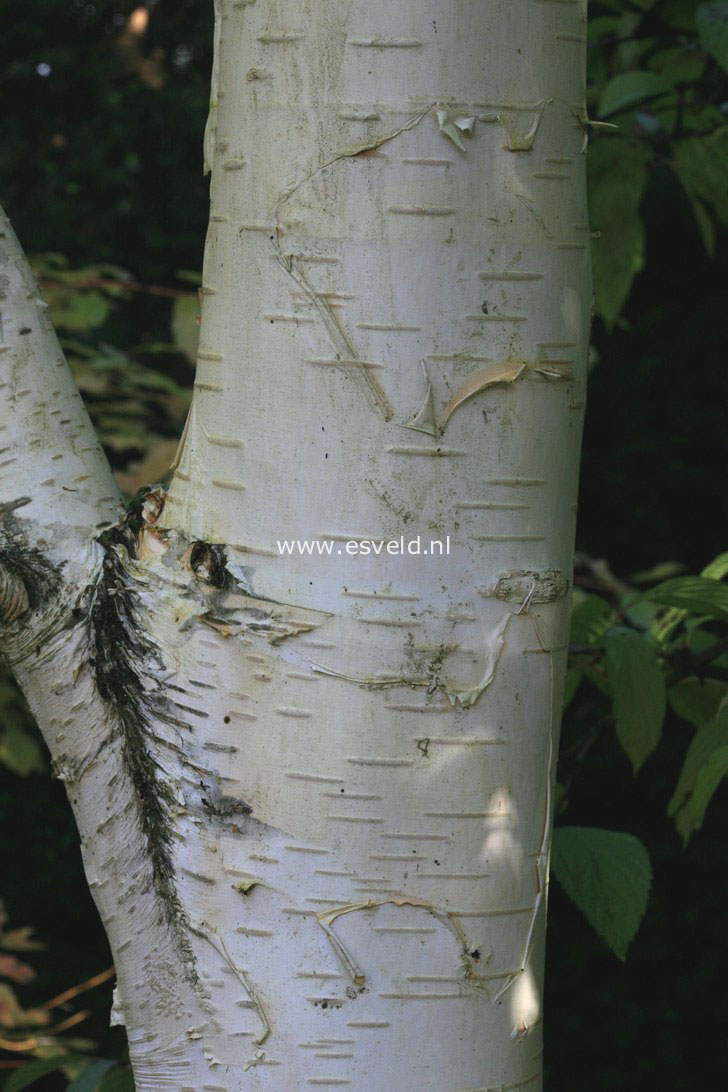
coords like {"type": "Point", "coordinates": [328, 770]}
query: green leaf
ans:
{"type": "Point", "coordinates": [118, 1080]}
{"type": "Point", "coordinates": [192, 276]}
{"type": "Point", "coordinates": [33, 1071]}
{"type": "Point", "coordinates": [607, 875]}
{"type": "Point", "coordinates": [89, 1078]}
{"type": "Point", "coordinates": [697, 700]}
{"type": "Point", "coordinates": [679, 64]}
{"type": "Point", "coordinates": [699, 640]}
{"type": "Point", "coordinates": [712, 20]}
{"type": "Point", "coordinates": [591, 617]}
{"type": "Point", "coordinates": [703, 219]}
{"type": "Point", "coordinates": [707, 739]}
{"type": "Point", "coordinates": [20, 752]}
{"type": "Point", "coordinates": [691, 815]}
{"type": "Point", "coordinates": [78, 309]}
{"type": "Point", "coordinates": [638, 693]}
{"type": "Point", "coordinates": [618, 171]}
{"type": "Point", "coordinates": [705, 224]}
{"type": "Point", "coordinates": [185, 325]}
{"type": "Point", "coordinates": [661, 571]}
{"type": "Point", "coordinates": [699, 163]}
{"type": "Point", "coordinates": [694, 594]}
{"type": "Point", "coordinates": [604, 26]}
{"type": "Point", "coordinates": [717, 568]}
{"type": "Point", "coordinates": [636, 611]}
{"type": "Point", "coordinates": [629, 88]}
{"type": "Point", "coordinates": [618, 5]}
{"type": "Point", "coordinates": [663, 627]}
{"type": "Point", "coordinates": [590, 620]}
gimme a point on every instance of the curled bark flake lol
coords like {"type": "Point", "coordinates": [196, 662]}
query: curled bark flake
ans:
{"type": "Point", "coordinates": [453, 124]}
{"type": "Point", "coordinates": [425, 420]}
{"type": "Point", "coordinates": [487, 377]}
{"type": "Point", "coordinates": [518, 138]}
{"type": "Point", "coordinates": [508, 372]}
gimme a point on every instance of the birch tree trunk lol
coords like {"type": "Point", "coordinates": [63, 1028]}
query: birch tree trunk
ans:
{"type": "Point", "coordinates": [314, 791]}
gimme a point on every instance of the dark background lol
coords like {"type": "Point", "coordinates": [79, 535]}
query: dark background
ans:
{"type": "Point", "coordinates": [100, 161]}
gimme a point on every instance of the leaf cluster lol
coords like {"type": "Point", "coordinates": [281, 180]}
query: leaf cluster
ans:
{"type": "Point", "coordinates": [645, 658]}
{"type": "Point", "coordinates": [658, 78]}
{"type": "Point", "coordinates": [33, 1037]}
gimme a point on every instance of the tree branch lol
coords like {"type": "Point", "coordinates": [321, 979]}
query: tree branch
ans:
{"type": "Point", "coordinates": [48, 449]}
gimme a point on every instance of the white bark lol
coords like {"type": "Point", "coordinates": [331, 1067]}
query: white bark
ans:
{"type": "Point", "coordinates": [343, 883]}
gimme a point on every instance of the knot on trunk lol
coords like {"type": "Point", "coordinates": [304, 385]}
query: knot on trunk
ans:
{"type": "Point", "coordinates": [14, 599]}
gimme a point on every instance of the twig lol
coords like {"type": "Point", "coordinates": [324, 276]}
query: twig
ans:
{"type": "Point", "coordinates": [74, 991]}
{"type": "Point", "coordinates": [131, 286]}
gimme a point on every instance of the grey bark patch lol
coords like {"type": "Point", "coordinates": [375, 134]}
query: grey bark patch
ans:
{"type": "Point", "coordinates": [520, 585]}
{"type": "Point", "coordinates": [225, 806]}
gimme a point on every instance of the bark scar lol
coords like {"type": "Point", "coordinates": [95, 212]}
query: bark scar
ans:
{"type": "Point", "coordinates": [450, 920]}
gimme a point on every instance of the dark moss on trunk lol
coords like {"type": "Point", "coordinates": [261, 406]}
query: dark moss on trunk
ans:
{"type": "Point", "coordinates": [125, 663]}
{"type": "Point", "coordinates": [209, 562]}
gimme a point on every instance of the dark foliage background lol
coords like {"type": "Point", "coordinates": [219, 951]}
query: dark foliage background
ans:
{"type": "Point", "coordinates": [100, 165]}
